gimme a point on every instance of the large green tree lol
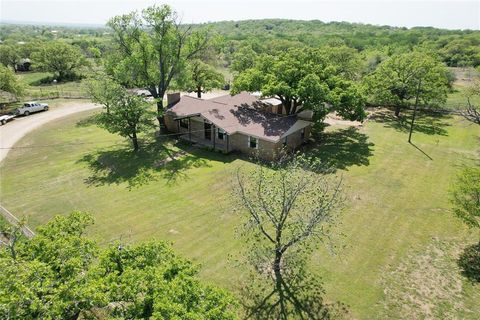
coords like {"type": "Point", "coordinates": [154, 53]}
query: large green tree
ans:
{"type": "Point", "coordinates": [465, 196]}
{"type": "Point", "coordinates": [409, 79]}
{"type": "Point", "coordinates": [152, 47]}
{"type": "Point", "coordinates": [10, 83]}
{"type": "Point", "coordinates": [10, 56]}
{"type": "Point", "coordinates": [202, 77]}
{"type": "Point", "coordinates": [127, 115]}
{"type": "Point", "coordinates": [304, 78]}
{"type": "Point", "coordinates": [62, 59]}
{"type": "Point", "coordinates": [62, 274]}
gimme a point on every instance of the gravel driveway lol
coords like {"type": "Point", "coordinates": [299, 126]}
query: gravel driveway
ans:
{"type": "Point", "coordinates": [14, 130]}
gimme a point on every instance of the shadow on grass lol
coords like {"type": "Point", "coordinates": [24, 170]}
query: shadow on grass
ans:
{"type": "Point", "coordinates": [469, 262]}
{"type": "Point", "coordinates": [423, 152]}
{"type": "Point", "coordinates": [341, 148]}
{"type": "Point", "coordinates": [431, 123]}
{"type": "Point", "coordinates": [154, 160]}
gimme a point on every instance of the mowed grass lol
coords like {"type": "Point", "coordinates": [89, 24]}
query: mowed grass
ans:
{"type": "Point", "coordinates": [396, 209]}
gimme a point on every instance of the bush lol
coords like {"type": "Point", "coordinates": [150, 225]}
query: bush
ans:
{"type": "Point", "coordinates": [469, 261]}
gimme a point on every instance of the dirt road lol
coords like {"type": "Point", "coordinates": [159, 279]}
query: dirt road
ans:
{"type": "Point", "coordinates": [14, 130]}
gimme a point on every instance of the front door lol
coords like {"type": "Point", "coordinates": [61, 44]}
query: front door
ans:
{"type": "Point", "coordinates": [208, 130]}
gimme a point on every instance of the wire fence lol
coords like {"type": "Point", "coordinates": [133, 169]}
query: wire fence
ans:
{"type": "Point", "coordinates": [15, 221]}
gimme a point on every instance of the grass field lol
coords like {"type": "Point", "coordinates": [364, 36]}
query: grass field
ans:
{"type": "Point", "coordinates": [37, 89]}
{"type": "Point", "coordinates": [395, 258]}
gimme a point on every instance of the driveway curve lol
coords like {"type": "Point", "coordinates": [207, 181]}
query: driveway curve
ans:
{"type": "Point", "coordinates": [13, 131]}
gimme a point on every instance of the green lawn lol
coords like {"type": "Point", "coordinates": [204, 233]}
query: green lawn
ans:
{"type": "Point", "coordinates": [37, 90]}
{"type": "Point", "coordinates": [396, 254]}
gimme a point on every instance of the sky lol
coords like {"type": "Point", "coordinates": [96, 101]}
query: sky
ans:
{"type": "Point", "coordinates": [449, 14]}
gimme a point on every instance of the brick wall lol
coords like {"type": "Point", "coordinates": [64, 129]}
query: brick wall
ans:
{"type": "Point", "coordinates": [266, 149]}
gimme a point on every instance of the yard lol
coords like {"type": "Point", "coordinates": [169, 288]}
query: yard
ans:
{"type": "Point", "coordinates": [396, 253]}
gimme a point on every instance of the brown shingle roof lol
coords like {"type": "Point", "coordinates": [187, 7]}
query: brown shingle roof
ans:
{"type": "Point", "coordinates": [236, 114]}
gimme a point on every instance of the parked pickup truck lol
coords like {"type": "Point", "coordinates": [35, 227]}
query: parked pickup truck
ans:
{"type": "Point", "coordinates": [5, 118]}
{"type": "Point", "coordinates": [31, 107]}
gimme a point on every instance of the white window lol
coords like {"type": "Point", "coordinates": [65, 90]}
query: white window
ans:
{"type": "Point", "coordinates": [252, 142]}
{"type": "Point", "coordinates": [221, 134]}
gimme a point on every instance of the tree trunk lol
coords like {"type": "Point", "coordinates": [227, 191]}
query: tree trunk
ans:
{"type": "Point", "coordinates": [135, 142]}
{"type": "Point", "coordinates": [277, 270]}
{"type": "Point", "coordinates": [199, 92]}
{"type": "Point", "coordinates": [160, 116]}
{"type": "Point", "coordinates": [414, 111]}
{"type": "Point", "coordinates": [397, 111]}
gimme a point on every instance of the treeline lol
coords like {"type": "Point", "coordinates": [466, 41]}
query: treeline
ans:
{"type": "Point", "coordinates": [458, 48]}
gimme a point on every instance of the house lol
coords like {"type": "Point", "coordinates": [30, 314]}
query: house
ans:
{"type": "Point", "coordinates": [241, 122]}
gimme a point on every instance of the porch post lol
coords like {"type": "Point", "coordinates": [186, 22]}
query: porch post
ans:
{"type": "Point", "coordinates": [213, 126]}
{"type": "Point", "coordinates": [189, 130]}
{"type": "Point", "coordinates": [227, 141]}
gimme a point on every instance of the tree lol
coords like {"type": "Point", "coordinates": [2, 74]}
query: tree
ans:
{"type": "Point", "coordinates": [152, 49]}
{"type": "Point", "coordinates": [203, 78]}
{"type": "Point", "coordinates": [104, 90]}
{"type": "Point", "coordinates": [10, 83]}
{"type": "Point", "coordinates": [472, 110]}
{"type": "Point", "coordinates": [9, 56]}
{"type": "Point", "coordinates": [61, 274]}
{"type": "Point", "coordinates": [404, 79]}
{"type": "Point", "coordinates": [465, 196]}
{"type": "Point", "coordinates": [243, 59]}
{"type": "Point", "coordinates": [288, 206]}
{"type": "Point", "coordinates": [60, 58]}
{"type": "Point", "coordinates": [304, 78]}
{"type": "Point", "coordinates": [128, 116]}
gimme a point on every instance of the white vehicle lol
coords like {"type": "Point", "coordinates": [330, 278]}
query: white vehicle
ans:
{"type": "Point", "coordinates": [5, 118]}
{"type": "Point", "coordinates": [31, 107]}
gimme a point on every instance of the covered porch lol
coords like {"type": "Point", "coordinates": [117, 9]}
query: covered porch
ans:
{"type": "Point", "coordinates": [195, 129]}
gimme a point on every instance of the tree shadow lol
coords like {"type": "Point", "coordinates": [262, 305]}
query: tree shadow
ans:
{"type": "Point", "coordinates": [155, 159]}
{"type": "Point", "coordinates": [469, 262]}
{"type": "Point", "coordinates": [342, 148]}
{"type": "Point", "coordinates": [426, 122]}
{"type": "Point", "coordinates": [298, 297]}
{"type": "Point", "coordinates": [424, 153]}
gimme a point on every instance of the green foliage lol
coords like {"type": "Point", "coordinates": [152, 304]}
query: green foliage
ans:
{"type": "Point", "coordinates": [243, 59]}
{"type": "Point", "coordinates": [60, 58]}
{"type": "Point", "coordinates": [61, 274]}
{"type": "Point", "coordinates": [398, 79]}
{"type": "Point", "coordinates": [465, 196]}
{"type": "Point", "coordinates": [128, 116]}
{"type": "Point", "coordinates": [472, 109]}
{"type": "Point", "coordinates": [9, 56]}
{"type": "Point", "coordinates": [104, 90]}
{"type": "Point", "coordinates": [202, 77]}
{"type": "Point", "coordinates": [306, 79]}
{"type": "Point", "coordinates": [151, 49]}
{"type": "Point", "coordinates": [10, 83]}
{"type": "Point", "coordinates": [469, 261]}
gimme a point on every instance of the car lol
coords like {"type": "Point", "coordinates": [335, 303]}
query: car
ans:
{"type": "Point", "coordinates": [5, 118]}
{"type": "Point", "coordinates": [31, 107]}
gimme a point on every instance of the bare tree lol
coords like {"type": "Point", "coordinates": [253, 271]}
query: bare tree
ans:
{"type": "Point", "coordinates": [289, 206]}
{"type": "Point", "coordinates": [472, 110]}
